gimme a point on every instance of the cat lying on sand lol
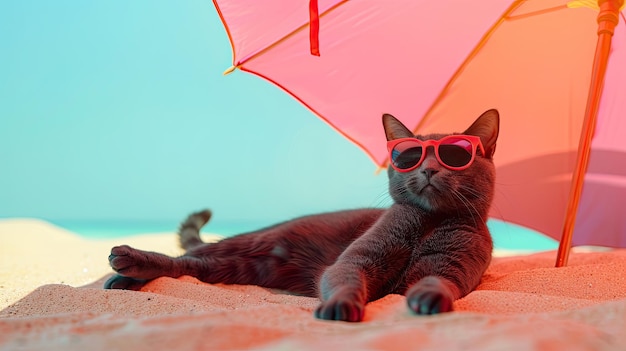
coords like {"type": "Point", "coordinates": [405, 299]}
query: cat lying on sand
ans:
{"type": "Point", "coordinates": [432, 244]}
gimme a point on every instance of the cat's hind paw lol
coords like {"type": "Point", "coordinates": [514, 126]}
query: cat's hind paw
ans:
{"type": "Point", "coordinates": [139, 264]}
{"type": "Point", "coordinates": [124, 283]}
{"type": "Point", "coordinates": [340, 310]}
{"type": "Point", "coordinates": [124, 260]}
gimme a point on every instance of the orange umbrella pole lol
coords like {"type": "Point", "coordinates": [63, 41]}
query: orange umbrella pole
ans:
{"type": "Point", "coordinates": [608, 18]}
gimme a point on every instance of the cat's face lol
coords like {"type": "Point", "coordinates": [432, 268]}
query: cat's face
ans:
{"type": "Point", "coordinates": [436, 188]}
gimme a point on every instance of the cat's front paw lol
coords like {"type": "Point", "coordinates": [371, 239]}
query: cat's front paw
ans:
{"type": "Point", "coordinates": [124, 283]}
{"type": "Point", "coordinates": [429, 296]}
{"type": "Point", "coordinates": [340, 310]}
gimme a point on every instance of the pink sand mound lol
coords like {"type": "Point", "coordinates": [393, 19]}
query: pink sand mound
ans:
{"type": "Point", "coordinates": [523, 304]}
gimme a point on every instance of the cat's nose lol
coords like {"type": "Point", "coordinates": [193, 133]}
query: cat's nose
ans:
{"type": "Point", "coordinates": [429, 172]}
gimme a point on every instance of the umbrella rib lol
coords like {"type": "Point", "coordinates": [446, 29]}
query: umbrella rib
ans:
{"type": "Point", "coordinates": [536, 13]}
{"type": "Point", "coordinates": [277, 42]}
{"type": "Point", "coordinates": [230, 38]}
{"type": "Point", "coordinates": [467, 60]}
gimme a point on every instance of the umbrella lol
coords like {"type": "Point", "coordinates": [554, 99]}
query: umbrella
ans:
{"type": "Point", "coordinates": [438, 64]}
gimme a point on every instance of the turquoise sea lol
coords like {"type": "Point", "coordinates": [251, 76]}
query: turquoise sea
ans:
{"type": "Point", "coordinates": [506, 236]}
{"type": "Point", "coordinates": [110, 229]}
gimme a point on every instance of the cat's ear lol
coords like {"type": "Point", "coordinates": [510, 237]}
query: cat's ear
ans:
{"type": "Point", "coordinates": [487, 127]}
{"type": "Point", "coordinates": [394, 129]}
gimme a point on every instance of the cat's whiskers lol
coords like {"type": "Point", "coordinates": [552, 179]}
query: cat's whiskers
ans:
{"type": "Point", "coordinates": [494, 206]}
{"type": "Point", "coordinates": [472, 191]}
{"type": "Point", "coordinates": [382, 200]}
{"type": "Point", "coordinates": [478, 195]}
{"type": "Point", "coordinates": [469, 205]}
{"type": "Point", "coordinates": [482, 198]}
{"type": "Point", "coordinates": [399, 189]}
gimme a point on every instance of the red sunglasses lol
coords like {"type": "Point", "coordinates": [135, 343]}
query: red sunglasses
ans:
{"type": "Point", "coordinates": [455, 152]}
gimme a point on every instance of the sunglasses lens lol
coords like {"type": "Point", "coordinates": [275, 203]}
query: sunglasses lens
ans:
{"type": "Point", "coordinates": [456, 152]}
{"type": "Point", "coordinates": [406, 154]}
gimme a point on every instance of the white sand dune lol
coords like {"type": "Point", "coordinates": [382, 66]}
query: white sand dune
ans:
{"type": "Point", "coordinates": [51, 298]}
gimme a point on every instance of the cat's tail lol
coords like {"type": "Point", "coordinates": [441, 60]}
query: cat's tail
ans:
{"type": "Point", "coordinates": [189, 230]}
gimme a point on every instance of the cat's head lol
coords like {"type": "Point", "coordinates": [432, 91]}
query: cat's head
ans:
{"type": "Point", "coordinates": [436, 188]}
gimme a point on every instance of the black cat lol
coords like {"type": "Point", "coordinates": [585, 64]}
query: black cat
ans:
{"type": "Point", "coordinates": [431, 245]}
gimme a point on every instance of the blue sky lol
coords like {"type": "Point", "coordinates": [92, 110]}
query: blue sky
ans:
{"type": "Point", "coordinates": [118, 110]}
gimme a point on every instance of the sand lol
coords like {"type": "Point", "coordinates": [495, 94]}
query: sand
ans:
{"type": "Point", "coordinates": [51, 298]}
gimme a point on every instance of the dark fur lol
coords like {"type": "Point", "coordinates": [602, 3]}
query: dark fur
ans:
{"type": "Point", "coordinates": [432, 244]}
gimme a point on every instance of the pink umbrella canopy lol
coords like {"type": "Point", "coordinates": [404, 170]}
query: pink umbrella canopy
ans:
{"type": "Point", "coordinates": [437, 65]}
